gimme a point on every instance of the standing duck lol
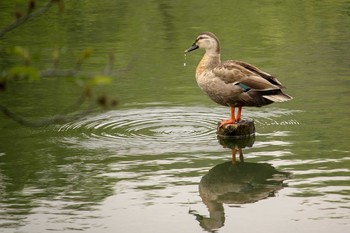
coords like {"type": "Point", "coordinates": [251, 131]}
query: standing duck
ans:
{"type": "Point", "coordinates": [233, 83]}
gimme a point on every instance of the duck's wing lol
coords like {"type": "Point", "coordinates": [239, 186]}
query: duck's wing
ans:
{"type": "Point", "coordinates": [263, 74]}
{"type": "Point", "coordinates": [248, 76]}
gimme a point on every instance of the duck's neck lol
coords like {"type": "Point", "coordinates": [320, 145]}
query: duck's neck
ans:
{"type": "Point", "coordinates": [209, 61]}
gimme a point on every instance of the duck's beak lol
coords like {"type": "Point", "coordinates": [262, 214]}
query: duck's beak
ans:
{"type": "Point", "coordinates": [193, 47]}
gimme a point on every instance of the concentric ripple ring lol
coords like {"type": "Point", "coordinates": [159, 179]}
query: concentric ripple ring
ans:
{"type": "Point", "coordinates": [151, 130]}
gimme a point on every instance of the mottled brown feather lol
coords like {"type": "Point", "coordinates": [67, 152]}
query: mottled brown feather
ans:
{"type": "Point", "coordinates": [232, 72]}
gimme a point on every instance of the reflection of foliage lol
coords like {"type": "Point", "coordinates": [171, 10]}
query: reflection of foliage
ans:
{"type": "Point", "coordinates": [25, 69]}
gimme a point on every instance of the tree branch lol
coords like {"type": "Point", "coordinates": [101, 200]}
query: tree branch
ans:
{"type": "Point", "coordinates": [30, 15]}
{"type": "Point", "coordinates": [57, 119]}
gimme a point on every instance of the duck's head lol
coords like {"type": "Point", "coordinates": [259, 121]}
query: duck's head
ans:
{"type": "Point", "coordinates": [207, 41]}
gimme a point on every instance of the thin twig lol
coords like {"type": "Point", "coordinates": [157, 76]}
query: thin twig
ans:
{"type": "Point", "coordinates": [109, 67]}
{"type": "Point", "coordinates": [58, 73]}
{"type": "Point", "coordinates": [26, 18]}
{"type": "Point", "coordinates": [57, 119]}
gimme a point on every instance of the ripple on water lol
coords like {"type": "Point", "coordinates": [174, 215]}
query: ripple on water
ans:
{"type": "Point", "coordinates": [143, 130]}
{"type": "Point", "coordinates": [152, 130]}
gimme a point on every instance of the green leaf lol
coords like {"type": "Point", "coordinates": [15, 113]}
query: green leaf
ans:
{"type": "Point", "coordinates": [21, 52]}
{"type": "Point", "coordinates": [28, 72]}
{"type": "Point", "coordinates": [99, 80]}
{"type": "Point", "coordinates": [86, 53]}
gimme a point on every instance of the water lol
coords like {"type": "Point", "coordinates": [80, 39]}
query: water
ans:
{"type": "Point", "coordinates": [154, 163]}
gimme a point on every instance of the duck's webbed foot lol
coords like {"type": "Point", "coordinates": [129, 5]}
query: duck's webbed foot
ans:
{"type": "Point", "coordinates": [226, 122]}
{"type": "Point", "coordinates": [232, 120]}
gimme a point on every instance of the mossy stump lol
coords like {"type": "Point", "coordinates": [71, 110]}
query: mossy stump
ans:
{"type": "Point", "coordinates": [242, 129]}
{"type": "Point", "coordinates": [234, 142]}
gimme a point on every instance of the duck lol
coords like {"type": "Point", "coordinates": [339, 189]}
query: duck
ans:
{"type": "Point", "coordinates": [233, 83]}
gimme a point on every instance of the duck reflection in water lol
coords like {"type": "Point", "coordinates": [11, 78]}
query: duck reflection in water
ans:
{"type": "Point", "coordinates": [236, 182]}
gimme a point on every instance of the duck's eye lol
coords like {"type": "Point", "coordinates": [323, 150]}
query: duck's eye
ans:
{"type": "Point", "coordinates": [201, 38]}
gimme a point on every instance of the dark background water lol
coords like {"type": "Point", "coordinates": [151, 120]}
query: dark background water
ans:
{"type": "Point", "coordinates": [154, 163]}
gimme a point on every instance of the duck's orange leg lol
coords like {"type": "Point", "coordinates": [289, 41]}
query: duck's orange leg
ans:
{"type": "Point", "coordinates": [231, 120]}
{"type": "Point", "coordinates": [238, 118]}
{"type": "Point", "coordinates": [234, 152]}
{"type": "Point", "coordinates": [241, 157]}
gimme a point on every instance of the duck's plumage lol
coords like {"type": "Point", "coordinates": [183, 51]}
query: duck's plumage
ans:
{"type": "Point", "coordinates": [234, 83]}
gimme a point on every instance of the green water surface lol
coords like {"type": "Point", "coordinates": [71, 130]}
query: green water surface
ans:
{"type": "Point", "coordinates": [154, 163]}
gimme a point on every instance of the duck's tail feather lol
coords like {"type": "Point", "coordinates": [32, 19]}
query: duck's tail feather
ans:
{"type": "Point", "coordinates": [280, 97]}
